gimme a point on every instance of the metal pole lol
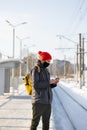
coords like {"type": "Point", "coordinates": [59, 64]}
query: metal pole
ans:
{"type": "Point", "coordinates": [13, 55]}
{"type": "Point", "coordinates": [74, 65]}
{"type": "Point", "coordinates": [20, 55]}
{"type": "Point", "coordinates": [83, 62]}
{"type": "Point", "coordinates": [80, 61]}
{"type": "Point", "coordinates": [20, 49]}
{"type": "Point", "coordinates": [77, 64]}
{"type": "Point", "coordinates": [13, 42]}
{"type": "Point", "coordinates": [13, 71]}
{"type": "Point", "coordinates": [21, 39]}
{"type": "Point", "coordinates": [14, 26]}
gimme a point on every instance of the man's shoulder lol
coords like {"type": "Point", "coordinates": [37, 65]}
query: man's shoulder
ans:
{"type": "Point", "coordinates": [36, 67]}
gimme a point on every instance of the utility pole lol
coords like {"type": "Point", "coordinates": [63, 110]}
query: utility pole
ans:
{"type": "Point", "coordinates": [14, 27]}
{"type": "Point", "coordinates": [77, 67]}
{"type": "Point", "coordinates": [21, 42]}
{"type": "Point", "coordinates": [62, 36]}
{"type": "Point", "coordinates": [83, 78]}
{"type": "Point", "coordinates": [80, 62]}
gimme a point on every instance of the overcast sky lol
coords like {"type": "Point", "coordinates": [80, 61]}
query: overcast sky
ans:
{"type": "Point", "coordinates": [45, 19]}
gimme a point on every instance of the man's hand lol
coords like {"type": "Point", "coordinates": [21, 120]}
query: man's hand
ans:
{"type": "Point", "coordinates": [57, 80]}
{"type": "Point", "coordinates": [54, 81]}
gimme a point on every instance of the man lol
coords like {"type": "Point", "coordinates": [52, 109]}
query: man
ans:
{"type": "Point", "coordinates": [41, 92]}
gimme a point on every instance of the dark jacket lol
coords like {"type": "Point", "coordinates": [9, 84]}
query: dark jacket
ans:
{"type": "Point", "coordinates": [41, 92]}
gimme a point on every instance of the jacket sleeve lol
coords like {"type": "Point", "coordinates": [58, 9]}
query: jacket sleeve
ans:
{"type": "Point", "coordinates": [53, 85]}
{"type": "Point", "coordinates": [39, 83]}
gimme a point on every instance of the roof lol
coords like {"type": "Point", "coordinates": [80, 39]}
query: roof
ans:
{"type": "Point", "coordinates": [10, 63]}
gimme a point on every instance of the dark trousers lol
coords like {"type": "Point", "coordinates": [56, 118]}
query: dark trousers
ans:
{"type": "Point", "coordinates": [39, 110]}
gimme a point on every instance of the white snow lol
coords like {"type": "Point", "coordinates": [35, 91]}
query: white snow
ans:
{"type": "Point", "coordinates": [78, 115]}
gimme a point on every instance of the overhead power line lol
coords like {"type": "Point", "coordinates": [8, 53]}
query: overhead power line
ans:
{"type": "Point", "coordinates": [62, 36]}
{"type": "Point", "coordinates": [78, 16]}
{"type": "Point", "coordinates": [63, 48]}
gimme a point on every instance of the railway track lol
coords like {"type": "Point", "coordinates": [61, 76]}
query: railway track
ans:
{"type": "Point", "coordinates": [72, 108]}
{"type": "Point", "coordinates": [73, 98]}
{"type": "Point", "coordinates": [66, 113]}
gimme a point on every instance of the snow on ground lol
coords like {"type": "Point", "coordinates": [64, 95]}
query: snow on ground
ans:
{"type": "Point", "coordinates": [73, 89]}
{"type": "Point", "coordinates": [74, 86]}
{"type": "Point", "coordinates": [78, 115]}
{"type": "Point", "coordinates": [59, 118]}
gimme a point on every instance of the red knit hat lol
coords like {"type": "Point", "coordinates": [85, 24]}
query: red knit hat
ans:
{"type": "Point", "coordinates": [44, 56]}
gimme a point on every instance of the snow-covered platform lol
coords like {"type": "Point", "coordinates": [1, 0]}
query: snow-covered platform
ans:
{"type": "Point", "coordinates": [16, 112]}
{"type": "Point", "coordinates": [69, 109]}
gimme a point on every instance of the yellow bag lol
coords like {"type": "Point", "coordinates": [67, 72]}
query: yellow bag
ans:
{"type": "Point", "coordinates": [28, 82]}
